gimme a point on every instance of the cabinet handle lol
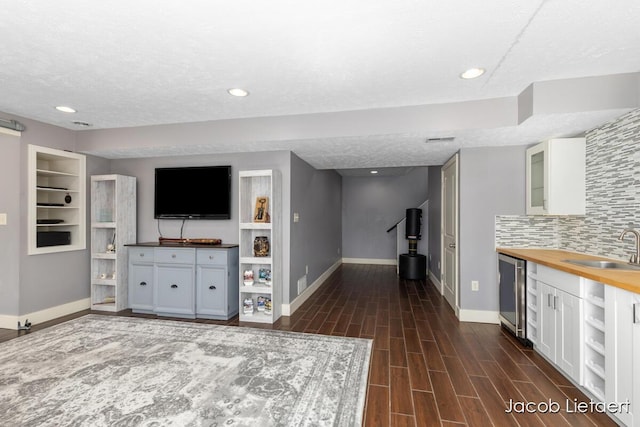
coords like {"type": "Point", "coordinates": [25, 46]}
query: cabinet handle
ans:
{"type": "Point", "coordinates": [141, 255]}
{"type": "Point", "coordinates": [548, 300]}
{"type": "Point", "coordinates": [555, 302]}
{"type": "Point", "coordinates": [212, 287]}
{"type": "Point", "coordinates": [174, 286]}
{"type": "Point", "coordinates": [636, 312]}
{"type": "Point", "coordinates": [143, 283]}
{"type": "Point", "coordinates": [173, 255]}
{"type": "Point", "coordinates": [210, 256]}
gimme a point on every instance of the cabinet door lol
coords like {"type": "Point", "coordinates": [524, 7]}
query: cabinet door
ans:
{"type": "Point", "coordinates": [568, 334]}
{"type": "Point", "coordinates": [624, 338]}
{"type": "Point", "coordinates": [537, 179]}
{"type": "Point", "coordinates": [546, 321]}
{"type": "Point", "coordinates": [212, 291]}
{"type": "Point", "coordinates": [174, 294]}
{"type": "Point", "coordinates": [141, 287]}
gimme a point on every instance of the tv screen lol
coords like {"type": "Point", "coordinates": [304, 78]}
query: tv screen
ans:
{"type": "Point", "coordinates": [202, 192]}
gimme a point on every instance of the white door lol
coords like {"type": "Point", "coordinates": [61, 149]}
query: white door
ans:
{"type": "Point", "coordinates": [450, 232]}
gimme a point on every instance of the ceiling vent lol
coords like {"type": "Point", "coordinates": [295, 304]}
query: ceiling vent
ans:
{"type": "Point", "coordinates": [442, 139]}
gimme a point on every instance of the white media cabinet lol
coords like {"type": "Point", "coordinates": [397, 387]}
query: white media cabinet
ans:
{"type": "Point", "coordinates": [189, 281]}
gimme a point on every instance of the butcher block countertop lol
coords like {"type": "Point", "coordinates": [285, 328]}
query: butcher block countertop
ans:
{"type": "Point", "coordinates": [554, 258]}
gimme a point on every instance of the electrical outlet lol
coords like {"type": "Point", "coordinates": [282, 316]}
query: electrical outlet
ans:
{"type": "Point", "coordinates": [3, 219]}
{"type": "Point", "coordinates": [296, 217]}
{"type": "Point", "coordinates": [306, 269]}
{"type": "Point", "coordinates": [475, 286]}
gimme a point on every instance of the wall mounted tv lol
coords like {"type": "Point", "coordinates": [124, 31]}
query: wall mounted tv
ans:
{"type": "Point", "coordinates": [202, 192]}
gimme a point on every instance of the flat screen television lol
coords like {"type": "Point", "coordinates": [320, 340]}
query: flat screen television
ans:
{"type": "Point", "coordinates": [201, 192]}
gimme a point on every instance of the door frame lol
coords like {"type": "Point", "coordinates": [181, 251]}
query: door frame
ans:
{"type": "Point", "coordinates": [455, 162]}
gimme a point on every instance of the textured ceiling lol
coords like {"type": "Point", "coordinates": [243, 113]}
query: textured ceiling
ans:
{"type": "Point", "coordinates": [140, 63]}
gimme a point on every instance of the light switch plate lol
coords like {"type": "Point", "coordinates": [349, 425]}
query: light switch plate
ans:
{"type": "Point", "coordinates": [3, 219]}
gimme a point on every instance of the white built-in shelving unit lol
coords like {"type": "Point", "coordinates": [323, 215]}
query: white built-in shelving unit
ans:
{"type": "Point", "coordinates": [56, 211]}
{"type": "Point", "coordinates": [113, 225]}
{"type": "Point", "coordinates": [255, 184]}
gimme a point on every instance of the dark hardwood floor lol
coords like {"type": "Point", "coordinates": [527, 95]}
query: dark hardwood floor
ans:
{"type": "Point", "coordinates": [426, 368]}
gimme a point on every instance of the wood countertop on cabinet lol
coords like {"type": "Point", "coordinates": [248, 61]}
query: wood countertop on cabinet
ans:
{"type": "Point", "coordinates": [555, 258]}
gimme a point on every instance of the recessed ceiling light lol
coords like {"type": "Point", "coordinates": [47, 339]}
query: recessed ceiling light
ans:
{"type": "Point", "coordinates": [373, 172]}
{"type": "Point", "coordinates": [65, 109]}
{"type": "Point", "coordinates": [472, 73]}
{"type": "Point", "coordinates": [238, 92]}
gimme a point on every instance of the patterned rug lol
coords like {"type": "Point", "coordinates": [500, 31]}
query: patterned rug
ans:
{"type": "Point", "coordinates": [118, 371]}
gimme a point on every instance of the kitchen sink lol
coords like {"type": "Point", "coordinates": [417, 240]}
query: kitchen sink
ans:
{"type": "Point", "coordinates": [603, 264]}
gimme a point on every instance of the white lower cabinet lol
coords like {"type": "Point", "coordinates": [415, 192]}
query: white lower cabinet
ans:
{"type": "Point", "coordinates": [622, 350]}
{"type": "Point", "coordinates": [591, 332]}
{"type": "Point", "coordinates": [560, 320]}
{"type": "Point", "coordinates": [184, 282]}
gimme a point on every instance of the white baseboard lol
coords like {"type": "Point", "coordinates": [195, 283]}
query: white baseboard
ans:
{"type": "Point", "coordinates": [435, 281]}
{"type": "Point", "coordinates": [11, 322]}
{"type": "Point", "coordinates": [479, 316]}
{"type": "Point", "coordinates": [375, 261]}
{"type": "Point", "coordinates": [289, 309]}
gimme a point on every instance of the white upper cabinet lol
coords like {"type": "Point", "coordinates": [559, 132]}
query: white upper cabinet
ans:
{"type": "Point", "coordinates": [556, 177]}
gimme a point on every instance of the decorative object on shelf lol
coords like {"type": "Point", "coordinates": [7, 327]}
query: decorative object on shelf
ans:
{"type": "Point", "coordinates": [264, 276]}
{"type": "Point", "coordinates": [103, 275]}
{"type": "Point", "coordinates": [260, 303]}
{"type": "Point", "coordinates": [262, 210]}
{"type": "Point", "coordinates": [261, 246]}
{"type": "Point", "coordinates": [247, 306]}
{"type": "Point", "coordinates": [67, 198]}
{"type": "Point", "coordinates": [248, 277]}
{"type": "Point", "coordinates": [267, 306]}
{"type": "Point", "coordinates": [111, 247]}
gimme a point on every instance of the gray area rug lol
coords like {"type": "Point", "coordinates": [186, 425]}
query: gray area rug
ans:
{"type": "Point", "coordinates": [119, 371]}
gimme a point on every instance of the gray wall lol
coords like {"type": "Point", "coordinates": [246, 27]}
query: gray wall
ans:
{"type": "Point", "coordinates": [371, 205]}
{"type": "Point", "coordinates": [492, 182]}
{"type": "Point", "coordinates": [227, 230]}
{"type": "Point", "coordinates": [10, 244]}
{"type": "Point", "coordinates": [49, 280]}
{"type": "Point", "coordinates": [316, 195]}
{"type": "Point", "coordinates": [435, 206]}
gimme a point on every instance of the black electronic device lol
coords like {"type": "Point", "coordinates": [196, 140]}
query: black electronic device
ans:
{"type": "Point", "coordinates": [201, 192]}
{"type": "Point", "coordinates": [53, 238]}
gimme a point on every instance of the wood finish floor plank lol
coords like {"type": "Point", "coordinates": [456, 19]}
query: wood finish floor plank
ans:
{"type": "Point", "coordinates": [377, 407]}
{"type": "Point", "coordinates": [426, 409]}
{"type": "Point", "coordinates": [446, 398]}
{"type": "Point", "coordinates": [418, 372]}
{"type": "Point", "coordinates": [400, 391]}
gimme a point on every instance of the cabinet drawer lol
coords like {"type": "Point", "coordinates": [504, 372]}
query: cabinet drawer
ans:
{"type": "Point", "coordinates": [175, 256]}
{"type": "Point", "coordinates": [137, 254]}
{"type": "Point", "coordinates": [212, 256]}
{"type": "Point", "coordinates": [566, 282]}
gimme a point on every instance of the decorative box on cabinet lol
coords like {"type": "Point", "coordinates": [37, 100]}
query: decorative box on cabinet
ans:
{"type": "Point", "coordinates": [184, 281]}
{"type": "Point", "coordinates": [255, 184]}
{"type": "Point", "coordinates": [113, 225]}
{"type": "Point", "coordinates": [56, 213]}
{"type": "Point", "coordinates": [556, 182]}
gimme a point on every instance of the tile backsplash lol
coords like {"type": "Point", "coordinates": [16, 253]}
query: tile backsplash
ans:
{"type": "Point", "coordinates": [613, 199]}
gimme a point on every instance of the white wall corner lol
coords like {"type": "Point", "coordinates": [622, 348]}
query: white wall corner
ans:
{"type": "Point", "coordinates": [11, 322]}
{"type": "Point", "coordinates": [289, 309]}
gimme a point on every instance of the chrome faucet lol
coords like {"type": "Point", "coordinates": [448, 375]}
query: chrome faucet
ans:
{"type": "Point", "coordinates": [635, 258]}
